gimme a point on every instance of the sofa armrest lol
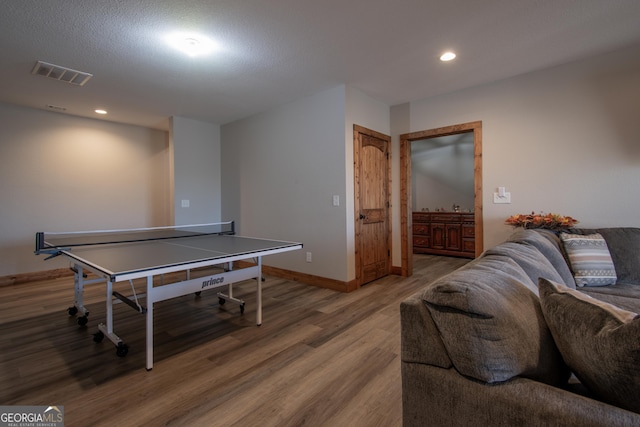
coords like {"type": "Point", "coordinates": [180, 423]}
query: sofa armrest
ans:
{"type": "Point", "coordinates": [420, 339]}
{"type": "Point", "coordinates": [443, 397]}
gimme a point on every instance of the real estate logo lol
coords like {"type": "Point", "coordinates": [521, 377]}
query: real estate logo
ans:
{"type": "Point", "coordinates": [31, 416]}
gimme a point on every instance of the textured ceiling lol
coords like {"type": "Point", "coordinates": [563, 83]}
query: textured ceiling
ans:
{"type": "Point", "coordinates": [277, 51]}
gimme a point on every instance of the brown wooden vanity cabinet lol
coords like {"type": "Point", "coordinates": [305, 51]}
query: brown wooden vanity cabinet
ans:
{"type": "Point", "coordinates": [444, 233]}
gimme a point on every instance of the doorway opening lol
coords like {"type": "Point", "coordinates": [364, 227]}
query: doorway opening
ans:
{"type": "Point", "coordinates": [406, 202]}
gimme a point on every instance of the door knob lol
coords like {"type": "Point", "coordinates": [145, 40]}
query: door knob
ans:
{"type": "Point", "coordinates": [362, 216]}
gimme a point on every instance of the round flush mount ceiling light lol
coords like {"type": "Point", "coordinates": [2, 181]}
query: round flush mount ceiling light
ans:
{"type": "Point", "coordinates": [192, 44]}
{"type": "Point", "coordinates": [447, 56]}
{"type": "Point", "coordinates": [100, 111]}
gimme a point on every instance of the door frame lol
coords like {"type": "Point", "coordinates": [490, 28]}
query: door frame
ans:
{"type": "Point", "coordinates": [405, 186]}
{"type": "Point", "coordinates": [357, 130]}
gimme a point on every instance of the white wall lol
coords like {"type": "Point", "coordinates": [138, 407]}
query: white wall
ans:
{"type": "Point", "coordinates": [282, 168]}
{"type": "Point", "coordinates": [560, 140]}
{"type": "Point", "coordinates": [197, 176]}
{"type": "Point", "coordinates": [280, 171]}
{"type": "Point", "coordinates": [63, 173]}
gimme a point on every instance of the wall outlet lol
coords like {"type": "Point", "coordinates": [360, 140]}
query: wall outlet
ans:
{"type": "Point", "coordinates": [308, 256]}
{"type": "Point", "coordinates": [336, 200]}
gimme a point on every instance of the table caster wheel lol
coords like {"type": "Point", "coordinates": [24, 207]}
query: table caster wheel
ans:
{"type": "Point", "coordinates": [98, 336]}
{"type": "Point", "coordinates": [198, 293]}
{"type": "Point", "coordinates": [221, 301]}
{"type": "Point", "coordinates": [82, 321]}
{"type": "Point", "coordinates": [72, 311]}
{"type": "Point", "coordinates": [241, 308]}
{"type": "Point", "coordinates": [122, 349]}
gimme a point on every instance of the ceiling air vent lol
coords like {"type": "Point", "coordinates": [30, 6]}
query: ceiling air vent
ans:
{"type": "Point", "coordinates": [74, 77]}
{"type": "Point", "coordinates": [56, 107]}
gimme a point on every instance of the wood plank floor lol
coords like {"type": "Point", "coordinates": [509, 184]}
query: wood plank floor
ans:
{"type": "Point", "coordinates": [320, 358]}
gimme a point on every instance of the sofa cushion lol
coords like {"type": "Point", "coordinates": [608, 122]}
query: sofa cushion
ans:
{"type": "Point", "coordinates": [621, 295]}
{"type": "Point", "coordinates": [599, 341]}
{"type": "Point", "coordinates": [590, 259]}
{"type": "Point", "coordinates": [530, 259]}
{"type": "Point", "coordinates": [624, 246]}
{"type": "Point", "coordinates": [491, 324]}
{"type": "Point", "coordinates": [549, 245]}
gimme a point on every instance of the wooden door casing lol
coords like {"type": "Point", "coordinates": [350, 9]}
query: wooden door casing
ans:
{"type": "Point", "coordinates": [406, 249]}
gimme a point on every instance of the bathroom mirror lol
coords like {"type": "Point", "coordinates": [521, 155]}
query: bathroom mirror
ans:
{"type": "Point", "coordinates": [442, 173]}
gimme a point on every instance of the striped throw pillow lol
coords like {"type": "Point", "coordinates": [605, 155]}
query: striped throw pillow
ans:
{"type": "Point", "coordinates": [589, 259]}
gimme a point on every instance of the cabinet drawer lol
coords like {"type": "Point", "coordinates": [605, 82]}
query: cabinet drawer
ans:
{"type": "Point", "coordinates": [421, 229]}
{"type": "Point", "coordinates": [445, 217]}
{"type": "Point", "coordinates": [468, 217]}
{"type": "Point", "coordinates": [469, 245]}
{"type": "Point", "coordinates": [421, 216]}
{"type": "Point", "coordinates": [421, 241]}
{"type": "Point", "coordinates": [468, 230]}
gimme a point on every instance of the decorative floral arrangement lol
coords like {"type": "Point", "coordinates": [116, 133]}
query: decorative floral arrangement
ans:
{"type": "Point", "coordinates": [549, 221]}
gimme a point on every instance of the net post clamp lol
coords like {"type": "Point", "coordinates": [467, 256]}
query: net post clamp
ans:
{"type": "Point", "coordinates": [42, 248]}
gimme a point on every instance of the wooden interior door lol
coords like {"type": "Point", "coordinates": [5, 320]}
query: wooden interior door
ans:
{"type": "Point", "coordinates": [372, 172]}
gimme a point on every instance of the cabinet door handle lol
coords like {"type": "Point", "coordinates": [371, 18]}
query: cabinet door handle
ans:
{"type": "Point", "coordinates": [363, 216]}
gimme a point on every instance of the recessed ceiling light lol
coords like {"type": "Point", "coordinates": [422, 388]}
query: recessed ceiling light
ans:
{"type": "Point", "coordinates": [447, 56]}
{"type": "Point", "coordinates": [101, 111]}
{"type": "Point", "coordinates": [192, 44]}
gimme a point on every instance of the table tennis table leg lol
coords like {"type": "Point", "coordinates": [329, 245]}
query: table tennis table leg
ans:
{"type": "Point", "coordinates": [222, 297]}
{"type": "Point", "coordinates": [259, 293]}
{"type": "Point", "coordinates": [109, 308]}
{"type": "Point", "coordinates": [230, 286]}
{"type": "Point", "coordinates": [79, 282]}
{"type": "Point", "coordinates": [107, 330]}
{"type": "Point", "coordinates": [78, 303]}
{"type": "Point", "coordinates": [149, 314]}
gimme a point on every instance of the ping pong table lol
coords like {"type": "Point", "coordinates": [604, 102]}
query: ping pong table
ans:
{"type": "Point", "coordinates": [125, 255]}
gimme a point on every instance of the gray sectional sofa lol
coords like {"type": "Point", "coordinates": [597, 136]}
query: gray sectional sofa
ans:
{"type": "Point", "coordinates": [509, 339]}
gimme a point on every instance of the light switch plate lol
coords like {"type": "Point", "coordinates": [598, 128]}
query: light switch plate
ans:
{"type": "Point", "coordinates": [505, 199]}
{"type": "Point", "coordinates": [185, 203]}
